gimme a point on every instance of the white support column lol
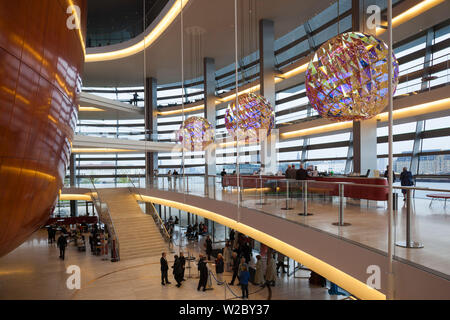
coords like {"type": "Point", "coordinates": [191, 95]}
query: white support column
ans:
{"type": "Point", "coordinates": [210, 111]}
{"type": "Point", "coordinates": [268, 155]}
{"type": "Point", "coordinates": [364, 131]}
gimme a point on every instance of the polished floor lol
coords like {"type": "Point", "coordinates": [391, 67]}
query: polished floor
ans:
{"type": "Point", "coordinates": [430, 225]}
{"type": "Point", "coordinates": [34, 271]}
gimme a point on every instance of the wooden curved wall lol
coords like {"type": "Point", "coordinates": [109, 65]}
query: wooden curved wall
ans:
{"type": "Point", "coordinates": [40, 64]}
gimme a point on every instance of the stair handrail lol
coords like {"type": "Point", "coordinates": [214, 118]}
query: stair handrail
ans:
{"type": "Point", "coordinates": [107, 218]}
{"type": "Point", "coordinates": [159, 222]}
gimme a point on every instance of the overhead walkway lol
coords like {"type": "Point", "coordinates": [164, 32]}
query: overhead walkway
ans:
{"type": "Point", "coordinates": [137, 232]}
{"type": "Point", "coordinates": [84, 143]}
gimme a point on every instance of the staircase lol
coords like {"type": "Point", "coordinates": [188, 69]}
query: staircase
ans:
{"type": "Point", "coordinates": [137, 232]}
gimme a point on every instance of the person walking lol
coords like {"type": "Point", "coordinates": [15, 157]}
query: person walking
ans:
{"type": "Point", "coordinates": [62, 244]}
{"type": "Point", "coordinates": [259, 276]}
{"type": "Point", "coordinates": [244, 277]}
{"type": "Point", "coordinates": [271, 271]}
{"type": "Point", "coordinates": [235, 267]}
{"type": "Point", "coordinates": [406, 179]}
{"type": "Point", "coordinates": [220, 268]}
{"type": "Point", "coordinates": [203, 273]}
{"type": "Point", "coordinates": [208, 244]}
{"type": "Point", "coordinates": [164, 269]}
{"type": "Point", "coordinates": [177, 271]}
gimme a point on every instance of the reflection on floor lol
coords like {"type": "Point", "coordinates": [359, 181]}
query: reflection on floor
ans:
{"type": "Point", "coordinates": [34, 271]}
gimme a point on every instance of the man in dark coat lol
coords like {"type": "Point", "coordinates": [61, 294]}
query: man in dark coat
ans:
{"type": "Point", "coordinates": [164, 269]}
{"type": "Point", "coordinates": [50, 231]}
{"type": "Point", "coordinates": [177, 271]}
{"type": "Point", "coordinates": [406, 179]}
{"type": "Point", "coordinates": [235, 267]}
{"type": "Point", "coordinates": [203, 273]}
{"type": "Point", "coordinates": [301, 174]}
{"type": "Point", "coordinates": [183, 265]}
{"type": "Point", "coordinates": [208, 243]}
{"type": "Point", "coordinates": [62, 244]}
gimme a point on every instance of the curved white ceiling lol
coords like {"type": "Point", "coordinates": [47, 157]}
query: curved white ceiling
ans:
{"type": "Point", "coordinates": [216, 17]}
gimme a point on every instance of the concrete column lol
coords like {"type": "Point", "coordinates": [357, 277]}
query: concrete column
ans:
{"type": "Point", "coordinates": [364, 131]}
{"type": "Point", "coordinates": [73, 203]}
{"type": "Point", "coordinates": [365, 146]}
{"type": "Point", "coordinates": [268, 155]}
{"type": "Point", "coordinates": [151, 127]}
{"type": "Point", "coordinates": [210, 111]}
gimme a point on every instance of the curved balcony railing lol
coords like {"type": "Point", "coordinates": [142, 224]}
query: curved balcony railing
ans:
{"type": "Point", "coordinates": [350, 208]}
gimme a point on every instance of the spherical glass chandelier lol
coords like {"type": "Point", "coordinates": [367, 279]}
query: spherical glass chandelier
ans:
{"type": "Point", "coordinates": [195, 134]}
{"type": "Point", "coordinates": [348, 77]}
{"type": "Point", "coordinates": [251, 118]}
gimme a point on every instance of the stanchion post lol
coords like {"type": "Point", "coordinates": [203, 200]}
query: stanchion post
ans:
{"type": "Point", "coordinates": [409, 243]}
{"type": "Point", "coordinates": [305, 199]}
{"type": "Point", "coordinates": [341, 222]}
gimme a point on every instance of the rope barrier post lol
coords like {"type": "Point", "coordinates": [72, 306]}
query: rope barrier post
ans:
{"type": "Point", "coordinates": [409, 243]}
{"type": "Point", "coordinates": [305, 199]}
{"type": "Point", "coordinates": [341, 222]}
{"type": "Point", "coordinates": [287, 197]}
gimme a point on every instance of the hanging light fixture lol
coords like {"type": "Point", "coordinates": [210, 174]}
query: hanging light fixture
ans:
{"type": "Point", "coordinates": [347, 79]}
{"type": "Point", "coordinates": [253, 116]}
{"type": "Point", "coordinates": [195, 134]}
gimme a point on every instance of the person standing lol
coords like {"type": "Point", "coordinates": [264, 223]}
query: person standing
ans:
{"type": "Point", "coordinates": [301, 174]}
{"type": "Point", "coordinates": [183, 265]}
{"type": "Point", "coordinates": [220, 268]}
{"type": "Point", "coordinates": [247, 252]}
{"type": "Point", "coordinates": [203, 274]}
{"type": "Point", "coordinates": [62, 244]}
{"type": "Point", "coordinates": [223, 174]}
{"type": "Point", "coordinates": [50, 231]}
{"type": "Point", "coordinates": [177, 271]}
{"type": "Point", "coordinates": [406, 179]}
{"type": "Point", "coordinates": [386, 174]}
{"type": "Point", "coordinates": [271, 271]}
{"type": "Point", "coordinates": [208, 244]}
{"type": "Point", "coordinates": [169, 178]}
{"type": "Point", "coordinates": [244, 276]}
{"type": "Point", "coordinates": [280, 263]}
{"type": "Point", "coordinates": [288, 170]}
{"type": "Point", "coordinates": [242, 264]}
{"type": "Point", "coordinates": [235, 267]}
{"type": "Point", "coordinates": [259, 276]}
{"type": "Point", "coordinates": [164, 269]}
{"type": "Point", "coordinates": [227, 256]}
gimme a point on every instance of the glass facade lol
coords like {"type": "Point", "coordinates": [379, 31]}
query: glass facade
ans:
{"type": "Point", "coordinates": [424, 65]}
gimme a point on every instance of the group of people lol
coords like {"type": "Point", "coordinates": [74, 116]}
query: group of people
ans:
{"type": "Point", "coordinates": [179, 266]}
{"type": "Point", "coordinates": [98, 238]}
{"type": "Point", "coordinates": [193, 231]}
{"type": "Point", "coordinates": [301, 173]}
{"type": "Point", "coordinates": [235, 258]}
{"type": "Point", "coordinates": [406, 179]}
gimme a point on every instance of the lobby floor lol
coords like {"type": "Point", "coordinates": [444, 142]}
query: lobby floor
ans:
{"type": "Point", "coordinates": [34, 271]}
